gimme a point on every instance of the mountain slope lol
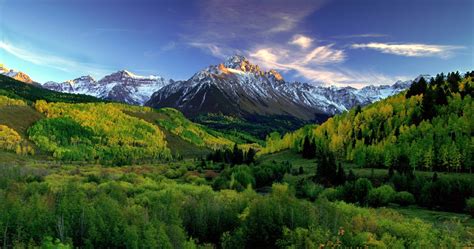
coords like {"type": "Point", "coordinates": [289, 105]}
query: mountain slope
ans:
{"type": "Point", "coordinates": [429, 128]}
{"type": "Point", "coordinates": [122, 86]}
{"type": "Point", "coordinates": [242, 89]}
{"type": "Point", "coordinates": [31, 92]}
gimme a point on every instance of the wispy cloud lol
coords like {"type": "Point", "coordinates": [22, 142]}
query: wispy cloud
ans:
{"type": "Point", "coordinates": [52, 61]}
{"type": "Point", "coordinates": [213, 48]}
{"type": "Point", "coordinates": [411, 49]}
{"type": "Point", "coordinates": [221, 23]}
{"type": "Point", "coordinates": [320, 64]}
{"type": "Point", "coordinates": [367, 35]}
{"type": "Point", "coordinates": [324, 55]}
{"type": "Point", "coordinates": [270, 34]}
{"type": "Point", "coordinates": [302, 41]}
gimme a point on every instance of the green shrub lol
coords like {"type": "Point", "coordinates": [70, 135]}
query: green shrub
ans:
{"type": "Point", "coordinates": [470, 206]}
{"type": "Point", "coordinates": [380, 196]}
{"type": "Point", "coordinates": [311, 190]}
{"type": "Point", "coordinates": [404, 198]}
{"type": "Point", "coordinates": [331, 194]}
{"type": "Point", "coordinates": [362, 188]}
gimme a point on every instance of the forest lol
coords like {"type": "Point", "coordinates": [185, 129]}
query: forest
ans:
{"type": "Point", "coordinates": [79, 173]}
{"type": "Point", "coordinates": [428, 128]}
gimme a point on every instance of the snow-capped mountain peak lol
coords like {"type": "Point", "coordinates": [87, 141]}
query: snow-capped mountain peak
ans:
{"type": "Point", "coordinates": [238, 87]}
{"type": "Point", "coordinates": [123, 86]}
{"type": "Point", "coordinates": [15, 74]}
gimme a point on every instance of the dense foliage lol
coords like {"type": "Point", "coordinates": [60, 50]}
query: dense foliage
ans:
{"type": "Point", "coordinates": [102, 208]}
{"type": "Point", "coordinates": [235, 156]}
{"type": "Point", "coordinates": [9, 138]}
{"type": "Point", "coordinates": [175, 122]}
{"type": "Point", "coordinates": [235, 197]}
{"type": "Point", "coordinates": [258, 127]}
{"type": "Point", "coordinates": [6, 101]}
{"type": "Point", "coordinates": [429, 129]}
{"type": "Point", "coordinates": [254, 176]}
{"type": "Point", "coordinates": [97, 132]}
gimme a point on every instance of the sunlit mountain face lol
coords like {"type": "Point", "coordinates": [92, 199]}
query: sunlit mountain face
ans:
{"type": "Point", "coordinates": [329, 42]}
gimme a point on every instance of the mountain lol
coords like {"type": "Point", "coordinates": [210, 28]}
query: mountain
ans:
{"type": "Point", "coordinates": [33, 92]}
{"type": "Point", "coordinates": [122, 86]}
{"type": "Point", "coordinates": [17, 75]}
{"type": "Point", "coordinates": [237, 87]}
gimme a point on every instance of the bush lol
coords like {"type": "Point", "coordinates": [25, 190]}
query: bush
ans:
{"type": "Point", "coordinates": [404, 198]}
{"type": "Point", "coordinates": [380, 196]}
{"type": "Point", "coordinates": [311, 190]}
{"type": "Point", "coordinates": [470, 206]}
{"type": "Point", "coordinates": [362, 188]}
{"type": "Point", "coordinates": [241, 178]}
{"type": "Point", "coordinates": [331, 194]}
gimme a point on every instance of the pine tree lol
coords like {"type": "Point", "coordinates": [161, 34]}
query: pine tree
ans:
{"type": "Point", "coordinates": [340, 176]}
{"type": "Point", "coordinates": [453, 80]}
{"type": "Point", "coordinates": [427, 105]}
{"type": "Point", "coordinates": [309, 150]}
{"type": "Point", "coordinates": [417, 88]}
{"type": "Point", "coordinates": [250, 156]}
{"type": "Point", "coordinates": [238, 155]}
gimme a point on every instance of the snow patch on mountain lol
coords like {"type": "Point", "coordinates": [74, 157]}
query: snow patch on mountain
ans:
{"type": "Point", "coordinates": [248, 89]}
{"type": "Point", "coordinates": [122, 86]}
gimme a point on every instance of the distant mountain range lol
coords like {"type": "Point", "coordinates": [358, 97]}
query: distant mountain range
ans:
{"type": "Point", "coordinates": [235, 87]}
{"type": "Point", "coordinates": [122, 86]}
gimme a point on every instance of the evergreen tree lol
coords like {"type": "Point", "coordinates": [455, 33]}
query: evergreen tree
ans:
{"type": "Point", "coordinates": [309, 150]}
{"type": "Point", "coordinates": [453, 80]}
{"type": "Point", "coordinates": [358, 109]}
{"type": "Point", "coordinates": [340, 176]}
{"type": "Point", "coordinates": [427, 105]}
{"type": "Point", "coordinates": [351, 176]}
{"type": "Point", "coordinates": [238, 155]}
{"type": "Point", "coordinates": [250, 157]}
{"type": "Point", "coordinates": [417, 88]}
{"type": "Point", "coordinates": [326, 170]}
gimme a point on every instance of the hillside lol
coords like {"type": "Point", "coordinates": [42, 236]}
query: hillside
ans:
{"type": "Point", "coordinates": [29, 92]}
{"type": "Point", "coordinates": [429, 127]}
{"type": "Point", "coordinates": [108, 133]}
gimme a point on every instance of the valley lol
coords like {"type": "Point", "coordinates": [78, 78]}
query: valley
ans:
{"type": "Point", "coordinates": [79, 171]}
{"type": "Point", "coordinates": [236, 124]}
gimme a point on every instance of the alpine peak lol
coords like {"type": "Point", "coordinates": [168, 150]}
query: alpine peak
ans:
{"type": "Point", "coordinates": [241, 63]}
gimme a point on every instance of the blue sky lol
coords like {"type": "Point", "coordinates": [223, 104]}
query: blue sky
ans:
{"type": "Point", "coordinates": [342, 42]}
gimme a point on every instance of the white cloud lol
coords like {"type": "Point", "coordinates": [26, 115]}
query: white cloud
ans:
{"type": "Point", "coordinates": [52, 61]}
{"type": "Point", "coordinates": [367, 35]}
{"type": "Point", "coordinates": [324, 55]}
{"type": "Point", "coordinates": [410, 49]}
{"type": "Point", "coordinates": [319, 65]}
{"type": "Point", "coordinates": [302, 41]}
{"type": "Point", "coordinates": [265, 32]}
